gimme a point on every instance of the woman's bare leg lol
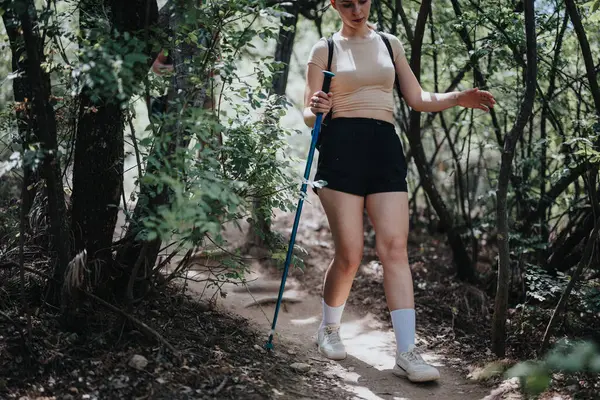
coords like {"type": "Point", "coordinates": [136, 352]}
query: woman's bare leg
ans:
{"type": "Point", "coordinates": [345, 216]}
{"type": "Point", "coordinates": [389, 215]}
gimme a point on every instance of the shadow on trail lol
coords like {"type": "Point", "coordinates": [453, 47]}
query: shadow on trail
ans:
{"type": "Point", "coordinates": [368, 382]}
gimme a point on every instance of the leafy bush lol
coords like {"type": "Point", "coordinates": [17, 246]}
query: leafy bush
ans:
{"type": "Point", "coordinates": [567, 357]}
{"type": "Point", "coordinates": [236, 156]}
{"type": "Point", "coordinates": [541, 286]}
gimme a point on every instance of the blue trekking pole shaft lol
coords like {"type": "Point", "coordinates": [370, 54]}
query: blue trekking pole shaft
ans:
{"type": "Point", "coordinates": [315, 136]}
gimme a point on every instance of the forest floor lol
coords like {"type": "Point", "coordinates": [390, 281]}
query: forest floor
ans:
{"type": "Point", "coordinates": [220, 342]}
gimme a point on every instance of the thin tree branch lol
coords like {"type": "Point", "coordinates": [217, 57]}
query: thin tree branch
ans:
{"type": "Point", "coordinates": [140, 324]}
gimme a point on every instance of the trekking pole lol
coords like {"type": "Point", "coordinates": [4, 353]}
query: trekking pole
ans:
{"type": "Point", "coordinates": [315, 135]}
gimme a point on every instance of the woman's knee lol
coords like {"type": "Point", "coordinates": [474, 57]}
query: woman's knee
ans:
{"type": "Point", "coordinates": [348, 260]}
{"type": "Point", "coordinates": [392, 249]}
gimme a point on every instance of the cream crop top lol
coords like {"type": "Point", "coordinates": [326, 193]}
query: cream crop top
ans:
{"type": "Point", "coordinates": [364, 73]}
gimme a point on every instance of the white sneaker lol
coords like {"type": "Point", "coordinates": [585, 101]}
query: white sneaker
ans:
{"type": "Point", "coordinates": [412, 366]}
{"type": "Point", "coordinates": [330, 342]}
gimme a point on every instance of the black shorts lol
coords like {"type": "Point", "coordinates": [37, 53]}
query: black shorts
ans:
{"type": "Point", "coordinates": [361, 156]}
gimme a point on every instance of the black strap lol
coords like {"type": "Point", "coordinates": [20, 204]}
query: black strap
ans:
{"type": "Point", "coordinates": [329, 58]}
{"type": "Point", "coordinates": [389, 47]}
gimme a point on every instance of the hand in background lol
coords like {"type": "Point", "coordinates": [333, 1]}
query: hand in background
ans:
{"type": "Point", "coordinates": [475, 98]}
{"type": "Point", "coordinates": [162, 64]}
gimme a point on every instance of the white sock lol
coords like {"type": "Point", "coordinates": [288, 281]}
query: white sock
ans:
{"type": "Point", "coordinates": [404, 325]}
{"type": "Point", "coordinates": [331, 315]}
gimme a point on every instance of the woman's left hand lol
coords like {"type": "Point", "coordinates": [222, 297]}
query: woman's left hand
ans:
{"type": "Point", "coordinates": [475, 98]}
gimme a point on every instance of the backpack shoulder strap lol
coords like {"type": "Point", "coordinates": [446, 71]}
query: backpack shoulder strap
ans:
{"type": "Point", "coordinates": [330, 46]}
{"type": "Point", "coordinates": [389, 47]}
{"type": "Point", "coordinates": [330, 56]}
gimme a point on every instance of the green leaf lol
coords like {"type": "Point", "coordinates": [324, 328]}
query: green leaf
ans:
{"type": "Point", "coordinates": [537, 382]}
{"type": "Point", "coordinates": [534, 377]}
{"type": "Point", "coordinates": [595, 364]}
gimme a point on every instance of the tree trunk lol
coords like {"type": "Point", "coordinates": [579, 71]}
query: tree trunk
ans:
{"type": "Point", "coordinates": [588, 57]}
{"type": "Point", "coordinates": [284, 49]}
{"type": "Point", "coordinates": [182, 94]}
{"type": "Point", "coordinates": [97, 177]}
{"type": "Point", "coordinates": [260, 233]}
{"type": "Point", "coordinates": [149, 200]}
{"type": "Point", "coordinates": [545, 115]}
{"type": "Point", "coordinates": [574, 174]}
{"type": "Point", "coordinates": [479, 77]}
{"type": "Point", "coordinates": [565, 251]}
{"type": "Point", "coordinates": [510, 141]}
{"type": "Point", "coordinates": [585, 261]}
{"type": "Point", "coordinates": [99, 143]}
{"type": "Point", "coordinates": [21, 92]}
{"type": "Point", "coordinates": [571, 176]}
{"type": "Point", "coordinates": [405, 21]}
{"type": "Point", "coordinates": [464, 267]}
{"type": "Point", "coordinates": [44, 127]}
{"type": "Point", "coordinates": [380, 18]}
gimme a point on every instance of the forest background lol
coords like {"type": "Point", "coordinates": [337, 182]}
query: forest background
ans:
{"type": "Point", "coordinates": [103, 203]}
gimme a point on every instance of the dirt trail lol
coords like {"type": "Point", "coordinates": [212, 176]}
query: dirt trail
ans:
{"type": "Point", "coordinates": [367, 370]}
{"type": "Point", "coordinates": [371, 346]}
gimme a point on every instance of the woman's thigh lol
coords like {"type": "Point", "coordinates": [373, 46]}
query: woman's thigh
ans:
{"type": "Point", "coordinates": [345, 216]}
{"type": "Point", "coordinates": [388, 212]}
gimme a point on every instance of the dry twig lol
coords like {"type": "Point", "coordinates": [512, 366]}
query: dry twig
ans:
{"type": "Point", "coordinates": [220, 387]}
{"type": "Point", "coordinates": [140, 324]}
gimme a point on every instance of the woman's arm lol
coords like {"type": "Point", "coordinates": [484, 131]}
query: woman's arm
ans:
{"type": "Point", "coordinates": [315, 100]}
{"type": "Point", "coordinates": [420, 100]}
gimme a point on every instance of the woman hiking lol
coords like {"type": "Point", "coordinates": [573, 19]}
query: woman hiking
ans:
{"type": "Point", "coordinates": [361, 159]}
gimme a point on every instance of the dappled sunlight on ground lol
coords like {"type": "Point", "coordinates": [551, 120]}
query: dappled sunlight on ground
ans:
{"type": "Point", "coordinates": [366, 372]}
{"type": "Point", "coordinates": [351, 379]}
{"type": "Point", "coordinates": [373, 347]}
{"type": "Point", "coordinates": [306, 321]}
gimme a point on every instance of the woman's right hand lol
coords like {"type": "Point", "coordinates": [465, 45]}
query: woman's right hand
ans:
{"type": "Point", "coordinates": [320, 102]}
{"type": "Point", "coordinates": [161, 64]}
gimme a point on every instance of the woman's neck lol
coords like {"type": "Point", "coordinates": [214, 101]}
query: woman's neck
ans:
{"type": "Point", "coordinates": [353, 33]}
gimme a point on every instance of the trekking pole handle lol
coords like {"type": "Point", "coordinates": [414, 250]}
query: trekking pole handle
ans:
{"type": "Point", "coordinates": [327, 80]}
